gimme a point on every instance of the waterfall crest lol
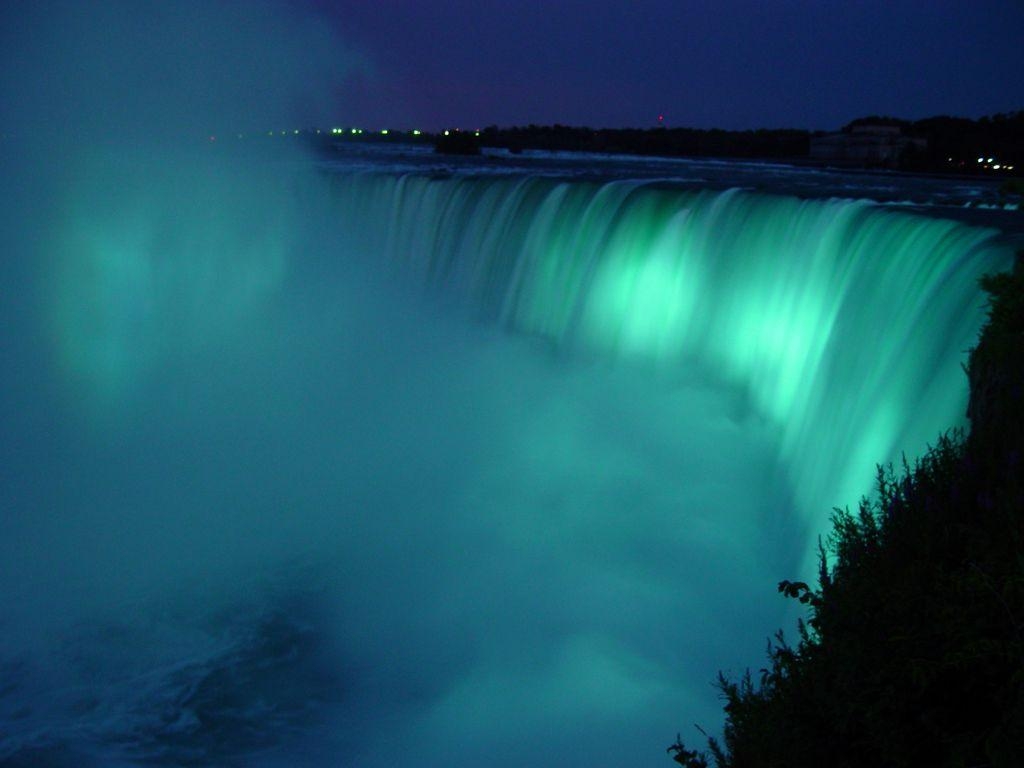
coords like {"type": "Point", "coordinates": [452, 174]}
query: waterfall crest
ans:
{"type": "Point", "coordinates": [843, 321]}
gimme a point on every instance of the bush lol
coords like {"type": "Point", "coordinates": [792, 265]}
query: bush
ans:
{"type": "Point", "coordinates": [912, 650]}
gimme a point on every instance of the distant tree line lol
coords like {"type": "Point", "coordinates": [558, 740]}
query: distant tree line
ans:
{"type": "Point", "coordinates": [912, 650]}
{"type": "Point", "coordinates": [951, 144]}
{"type": "Point", "coordinates": [663, 142]}
{"type": "Point", "coordinates": [954, 144]}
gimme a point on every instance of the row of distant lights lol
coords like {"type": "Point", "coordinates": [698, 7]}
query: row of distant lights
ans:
{"type": "Point", "coordinates": [357, 132]}
{"type": "Point", "coordinates": [343, 132]}
{"type": "Point", "coordinates": [334, 131]}
{"type": "Point", "coordinates": [990, 162]}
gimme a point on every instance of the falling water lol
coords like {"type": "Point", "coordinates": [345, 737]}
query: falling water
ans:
{"type": "Point", "coordinates": [843, 322]}
{"type": "Point", "coordinates": [320, 468]}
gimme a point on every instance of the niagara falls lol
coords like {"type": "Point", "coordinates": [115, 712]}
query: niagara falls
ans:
{"type": "Point", "coordinates": [325, 450]}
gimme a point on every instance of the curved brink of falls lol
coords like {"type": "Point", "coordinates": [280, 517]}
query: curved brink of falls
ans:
{"type": "Point", "coordinates": [844, 322]}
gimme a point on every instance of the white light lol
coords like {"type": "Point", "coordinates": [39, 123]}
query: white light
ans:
{"type": "Point", "coordinates": [991, 159]}
{"type": "Point", "coordinates": [446, 133]}
{"type": "Point", "coordinates": [997, 166]}
{"type": "Point", "coordinates": [981, 159]}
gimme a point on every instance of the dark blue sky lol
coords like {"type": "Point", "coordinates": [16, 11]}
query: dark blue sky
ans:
{"type": "Point", "coordinates": [729, 63]}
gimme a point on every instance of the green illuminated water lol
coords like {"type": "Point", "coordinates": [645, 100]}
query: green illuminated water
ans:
{"type": "Point", "coordinates": [844, 322]}
{"type": "Point", "coordinates": [488, 443]}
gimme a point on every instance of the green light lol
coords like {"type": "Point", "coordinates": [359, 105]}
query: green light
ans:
{"type": "Point", "coordinates": [136, 264]}
{"type": "Point", "coordinates": [644, 295]}
{"type": "Point", "coordinates": [355, 131]}
{"type": "Point", "coordinates": [446, 133]}
{"type": "Point", "coordinates": [770, 294]}
{"type": "Point", "coordinates": [415, 132]}
{"type": "Point", "coordinates": [384, 132]}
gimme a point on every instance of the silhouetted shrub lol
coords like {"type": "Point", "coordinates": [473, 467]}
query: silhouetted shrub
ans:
{"type": "Point", "coordinates": [912, 651]}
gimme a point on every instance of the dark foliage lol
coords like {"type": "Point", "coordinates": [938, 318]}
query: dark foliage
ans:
{"type": "Point", "coordinates": [457, 143]}
{"type": "Point", "coordinates": [955, 143]}
{"type": "Point", "coordinates": [912, 652]}
{"type": "Point", "coordinates": [664, 142]}
{"type": "Point", "coordinates": [688, 758]}
{"type": "Point", "coordinates": [951, 144]}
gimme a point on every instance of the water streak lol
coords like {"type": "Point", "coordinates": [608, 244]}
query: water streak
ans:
{"type": "Point", "coordinates": [844, 321]}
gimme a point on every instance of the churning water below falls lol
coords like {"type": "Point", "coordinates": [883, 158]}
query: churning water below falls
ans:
{"type": "Point", "coordinates": [349, 466]}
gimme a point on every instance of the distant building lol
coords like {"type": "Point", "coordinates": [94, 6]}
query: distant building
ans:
{"type": "Point", "coordinates": [869, 145]}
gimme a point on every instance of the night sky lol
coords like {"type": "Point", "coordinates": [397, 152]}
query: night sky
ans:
{"type": "Point", "coordinates": [732, 64]}
{"type": "Point", "coordinates": [407, 64]}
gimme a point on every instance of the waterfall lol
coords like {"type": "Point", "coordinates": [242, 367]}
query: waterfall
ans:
{"type": "Point", "coordinates": [310, 467]}
{"type": "Point", "coordinates": [844, 322]}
